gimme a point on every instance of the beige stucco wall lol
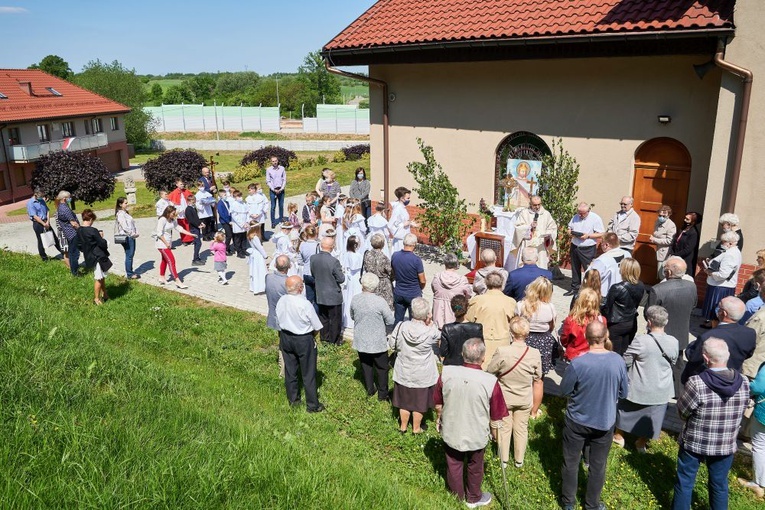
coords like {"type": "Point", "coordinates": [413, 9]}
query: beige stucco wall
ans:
{"type": "Point", "coordinates": [747, 50]}
{"type": "Point", "coordinates": [603, 109]}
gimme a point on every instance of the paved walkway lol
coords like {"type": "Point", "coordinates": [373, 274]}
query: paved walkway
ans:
{"type": "Point", "coordinates": [202, 281]}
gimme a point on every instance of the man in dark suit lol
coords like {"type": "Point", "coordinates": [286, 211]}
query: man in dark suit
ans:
{"type": "Point", "coordinates": [519, 278]}
{"type": "Point", "coordinates": [328, 273]}
{"type": "Point", "coordinates": [276, 287]}
{"type": "Point", "coordinates": [741, 340]}
{"type": "Point", "coordinates": [679, 297]}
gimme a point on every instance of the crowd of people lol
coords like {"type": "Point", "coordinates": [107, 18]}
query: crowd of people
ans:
{"type": "Point", "coordinates": [336, 265]}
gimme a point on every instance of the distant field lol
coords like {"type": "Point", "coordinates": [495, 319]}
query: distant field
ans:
{"type": "Point", "coordinates": [352, 91]}
{"type": "Point", "coordinates": [165, 84]}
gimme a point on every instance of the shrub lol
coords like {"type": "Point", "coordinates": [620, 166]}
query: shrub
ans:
{"type": "Point", "coordinates": [261, 157]}
{"type": "Point", "coordinates": [321, 159]}
{"type": "Point", "coordinates": [444, 217]}
{"type": "Point", "coordinates": [162, 172]}
{"type": "Point", "coordinates": [83, 175]}
{"type": "Point", "coordinates": [247, 173]}
{"type": "Point", "coordinates": [558, 189]}
{"type": "Point", "coordinates": [355, 152]}
{"type": "Point", "coordinates": [338, 157]}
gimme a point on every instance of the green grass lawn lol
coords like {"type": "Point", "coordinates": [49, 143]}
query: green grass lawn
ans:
{"type": "Point", "coordinates": [161, 400]}
{"type": "Point", "coordinates": [164, 83]}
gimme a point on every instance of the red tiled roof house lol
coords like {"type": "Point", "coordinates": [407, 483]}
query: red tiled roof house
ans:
{"type": "Point", "coordinates": [485, 81]}
{"type": "Point", "coordinates": [40, 113]}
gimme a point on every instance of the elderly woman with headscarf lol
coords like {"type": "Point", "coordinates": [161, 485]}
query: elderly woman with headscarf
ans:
{"type": "Point", "coordinates": [446, 285]}
{"type": "Point", "coordinates": [649, 359]}
{"type": "Point", "coordinates": [375, 261]}
{"type": "Point", "coordinates": [415, 372]}
{"type": "Point", "coordinates": [722, 276]}
{"type": "Point", "coordinates": [371, 315]}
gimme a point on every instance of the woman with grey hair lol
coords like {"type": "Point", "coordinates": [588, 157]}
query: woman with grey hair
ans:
{"type": "Point", "coordinates": [446, 285]}
{"type": "Point", "coordinates": [371, 315]}
{"type": "Point", "coordinates": [722, 276]}
{"type": "Point", "coordinates": [67, 230]}
{"type": "Point", "coordinates": [649, 359]}
{"type": "Point", "coordinates": [729, 222]}
{"type": "Point", "coordinates": [376, 262]}
{"type": "Point", "coordinates": [415, 372]}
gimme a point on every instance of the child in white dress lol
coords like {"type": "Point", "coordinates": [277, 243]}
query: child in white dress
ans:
{"type": "Point", "coordinates": [351, 261]}
{"type": "Point", "coordinates": [256, 261]}
{"type": "Point", "coordinates": [379, 225]}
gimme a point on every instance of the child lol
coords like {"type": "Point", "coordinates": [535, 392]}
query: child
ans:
{"type": "Point", "coordinates": [257, 203]}
{"type": "Point", "coordinates": [292, 210]}
{"type": "Point", "coordinates": [351, 261]}
{"type": "Point", "coordinates": [284, 247]}
{"type": "Point", "coordinates": [327, 217]}
{"type": "Point", "coordinates": [218, 247]}
{"type": "Point", "coordinates": [224, 218]}
{"type": "Point", "coordinates": [378, 223]}
{"type": "Point", "coordinates": [356, 225]}
{"type": "Point", "coordinates": [205, 203]}
{"type": "Point", "coordinates": [162, 203]}
{"type": "Point", "coordinates": [256, 262]}
{"type": "Point", "coordinates": [196, 227]}
{"type": "Point", "coordinates": [309, 209]}
{"type": "Point", "coordinates": [239, 223]}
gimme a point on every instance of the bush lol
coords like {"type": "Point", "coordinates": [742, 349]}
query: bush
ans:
{"type": "Point", "coordinates": [261, 157]}
{"type": "Point", "coordinates": [355, 152]}
{"type": "Point", "coordinates": [444, 217]}
{"type": "Point", "coordinates": [162, 172]}
{"type": "Point", "coordinates": [83, 175]}
{"type": "Point", "coordinates": [321, 159]}
{"type": "Point", "coordinates": [246, 173]}
{"type": "Point", "coordinates": [338, 157]}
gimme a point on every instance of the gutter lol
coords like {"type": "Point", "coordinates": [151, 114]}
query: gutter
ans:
{"type": "Point", "coordinates": [7, 162]}
{"type": "Point", "coordinates": [746, 94]}
{"type": "Point", "coordinates": [531, 41]}
{"type": "Point", "coordinates": [384, 85]}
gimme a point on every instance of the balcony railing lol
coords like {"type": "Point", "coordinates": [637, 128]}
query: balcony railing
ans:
{"type": "Point", "coordinates": [33, 151]}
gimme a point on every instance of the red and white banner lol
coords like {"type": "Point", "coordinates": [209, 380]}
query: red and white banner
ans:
{"type": "Point", "coordinates": [67, 143]}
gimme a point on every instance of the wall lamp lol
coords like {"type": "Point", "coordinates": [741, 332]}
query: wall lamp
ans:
{"type": "Point", "coordinates": [664, 119]}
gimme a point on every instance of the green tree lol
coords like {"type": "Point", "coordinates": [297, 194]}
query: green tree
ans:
{"type": "Point", "coordinates": [156, 94]}
{"type": "Point", "coordinates": [55, 65]}
{"type": "Point", "coordinates": [558, 189]}
{"type": "Point", "coordinates": [177, 94]}
{"type": "Point", "coordinates": [321, 85]}
{"type": "Point", "coordinates": [444, 217]}
{"type": "Point", "coordinates": [202, 87]}
{"type": "Point", "coordinates": [122, 85]}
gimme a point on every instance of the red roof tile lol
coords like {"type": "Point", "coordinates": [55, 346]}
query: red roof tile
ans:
{"type": "Point", "coordinates": [43, 104]}
{"type": "Point", "coordinates": [397, 22]}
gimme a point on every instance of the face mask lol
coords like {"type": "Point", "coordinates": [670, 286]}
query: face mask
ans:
{"type": "Point", "coordinates": [662, 219]}
{"type": "Point", "coordinates": [69, 200]}
{"type": "Point", "coordinates": [359, 176]}
{"type": "Point", "coordinates": [686, 223]}
{"type": "Point", "coordinates": [406, 202]}
{"type": "Point", "coordinates": [259, 191]}
{"type": "Point", "coordinates": [726, 229]}
{"type": "Point", "coordinates": [227, 188]}
{"type": "Point", "coordinates": [200, 189]}
{"type": "Point", "coordinates": [315, 202]}
{"type": "Point", "coordinates": [239, 199]}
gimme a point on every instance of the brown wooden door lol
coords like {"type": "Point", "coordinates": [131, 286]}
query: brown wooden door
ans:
{"type": "Point", "coordinates": [662, 176]}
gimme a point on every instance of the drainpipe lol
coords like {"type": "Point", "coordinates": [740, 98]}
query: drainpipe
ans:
{"type": "Point", "coordinates": [746, 96]}
{"type": "Point", "coordinates": [384, 85]}
{"type": "Point", "coordinates": [7, 162]}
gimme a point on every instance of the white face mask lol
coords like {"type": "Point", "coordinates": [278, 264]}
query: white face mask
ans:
{"type": "Point", "coordinates": [359, 176]}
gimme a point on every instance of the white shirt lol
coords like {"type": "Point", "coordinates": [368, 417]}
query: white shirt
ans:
{"type": "Point", "coordinates": [164, 230]}
{"type": "Point", "coordinates": [589, 225]}
{"type": "Point", "coordinates": [294, 313]}
{"type": "Point", "coordinates": [239, 214]}
{"type": "Point", "coordinates": [204, 204]}
{"type": "Point", "coordinates": [161, 205]}
{"type": "Point", "coordinates": [257, 204]}
{"type": "Point", "coordinates": [608, 267]}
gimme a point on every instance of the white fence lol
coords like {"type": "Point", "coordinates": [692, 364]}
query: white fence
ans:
{"type": "Point", "coordinates": [251, 145]}
{"type": "Point", "coordinates": [332, 118]}
{"type": "Point", "coordinates": [187, 117]}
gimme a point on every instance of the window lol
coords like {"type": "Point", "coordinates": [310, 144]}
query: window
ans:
{"type": "Point", "coordinates": [113, 123]}
{"type": "Point", "coordinates": [14, 136]}
{"type": "Point", "coordinates": [97, 126]}
{"type": "Point", "coordinates": [3, 96]}
{"type": "Point", "coordinates": [87, 127]}
{"type": "Point", "coordinates": [21, 176]}
{"type": "Point", "coordinates": [54, 91]}
{"type": "Point", "coordinates": [67, 129]}
{"type": "Point", "coordinates": [43, 132]}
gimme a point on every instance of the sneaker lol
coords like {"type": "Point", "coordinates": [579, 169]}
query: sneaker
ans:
{"type": "Point", "coordinates": [485, 500]}
{"type": "Point", "coordinates": [223, 282]}
{"type": "Point", "coordinates": [316, 409]}
{"type": "Point", "coordinates": [518, 464]}
{"type": "Point", "coordinates": [181, 285]}
{"type": "Point", "coordinates": [197, 263]}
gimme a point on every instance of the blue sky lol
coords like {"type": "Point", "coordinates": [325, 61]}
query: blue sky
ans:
{"type": "Point", "coordinates": [173, 36]}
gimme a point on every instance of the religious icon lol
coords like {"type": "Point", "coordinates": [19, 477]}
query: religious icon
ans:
{"type": "Point", "coordinates": [525, 173]}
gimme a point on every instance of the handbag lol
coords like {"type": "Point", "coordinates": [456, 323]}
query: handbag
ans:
{"type": "Point", "coordinates": [119, 238]}
{"type": "Point", "coordinates": [48, 239]}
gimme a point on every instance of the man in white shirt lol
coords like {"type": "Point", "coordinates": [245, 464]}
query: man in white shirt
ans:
{"type": "Point", "coordinates": [298, 324]}
{"type": "Point", "coordinates": [205, 201]}
{"type": "Point", "coordinates": [608, 262]}
{"type": "Point", "coordinates": [585, 229]}
{"type": "Point", "coordinates": [625, 224]}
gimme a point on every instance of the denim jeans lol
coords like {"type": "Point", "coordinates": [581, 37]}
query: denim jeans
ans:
{"type": "Point", "coordinates": [688, 464]}
{"type": "Point", "coordinates": [129, 248]}
{"type": "Point", "coordinates": [400, 306]}
{"type": "Point", "coordinates": [74, 255]}
{"type": "Point", "coordinates": [197, 242]}
{"type": "Point", "coordinates": [274, 199]}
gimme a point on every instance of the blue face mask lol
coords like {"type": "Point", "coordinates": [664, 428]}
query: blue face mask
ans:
{"type": "Point", "coordinates": [662, 219]}
{"type": "Point", "coordinates": [315, 202]}
{"type": "Point", "coordinates": [406, 202]}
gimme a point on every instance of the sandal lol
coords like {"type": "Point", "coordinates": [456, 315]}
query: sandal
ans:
{"type": "Point", "coordinates": [98, 302]}
{"type": "Point", "coordinates": [181, 285]}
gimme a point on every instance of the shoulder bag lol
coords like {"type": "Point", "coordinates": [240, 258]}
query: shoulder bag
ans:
{"type": "Point", "coordinates": [119, 238]}
{"type": "Point", "coordinates": [503, 374]}
{"type": "Point", "coordinates": [663, 354]}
